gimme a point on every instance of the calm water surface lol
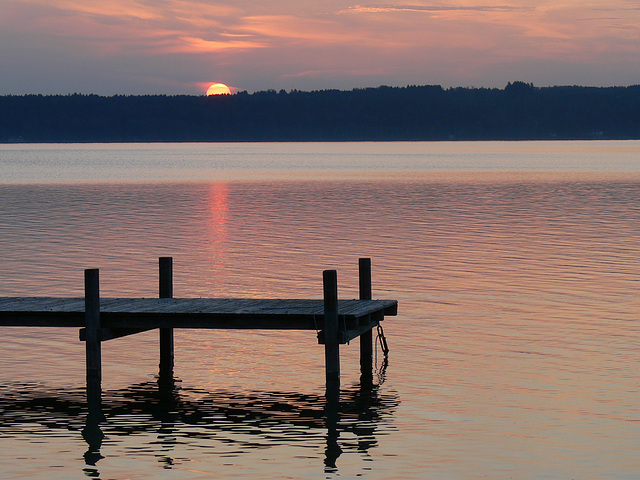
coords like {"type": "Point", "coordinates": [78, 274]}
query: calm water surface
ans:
{"type": "Point", "coordinates": [514, 355]}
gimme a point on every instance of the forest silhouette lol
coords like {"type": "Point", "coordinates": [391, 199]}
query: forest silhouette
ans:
{"type": "Point", "coordinates": [520, 111]}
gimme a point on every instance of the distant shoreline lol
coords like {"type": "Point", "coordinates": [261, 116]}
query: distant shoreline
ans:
{"type": "Point", "coordinates": [159, 142]}
{"type": "Point", "coordinates": [520, 111]}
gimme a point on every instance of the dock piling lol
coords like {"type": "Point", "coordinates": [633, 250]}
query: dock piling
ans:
{"type": "Point", "coordinates": [93, 347]}
{"type": "Point", "coordinates": [166, 334]}
{"type": "Point", "coordinates": [331, 341]}
{"type": "Point", "coordinates": [366, 338]}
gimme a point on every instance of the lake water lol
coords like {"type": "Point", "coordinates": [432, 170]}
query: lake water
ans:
{"type": "Point", "coordinates": [515, 352]}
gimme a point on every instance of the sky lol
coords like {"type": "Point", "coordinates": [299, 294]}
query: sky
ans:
{"type": "Point", "coordinates": [134, 47]}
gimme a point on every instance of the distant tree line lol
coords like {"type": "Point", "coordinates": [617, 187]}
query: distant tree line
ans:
{"type": "Point", "coordinates": [520, 111]}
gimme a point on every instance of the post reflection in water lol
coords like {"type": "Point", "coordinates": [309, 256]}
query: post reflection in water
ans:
{"type": "Point", "coordinates": [171, 416]}
{"type": "Point", "coordinates": [93, 435]}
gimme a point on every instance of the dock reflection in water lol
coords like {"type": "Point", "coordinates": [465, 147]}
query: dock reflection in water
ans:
{"type": "Point", "coordinates": [166, 415]}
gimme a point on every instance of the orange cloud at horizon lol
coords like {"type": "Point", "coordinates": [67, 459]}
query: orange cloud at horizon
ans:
{"type": "Point", "coordinates": [200, 45]}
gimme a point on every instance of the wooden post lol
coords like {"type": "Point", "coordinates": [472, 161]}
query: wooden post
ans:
{"type": "Point", "coordinates": [331, 345]}
{"type": "Point", "coordinates": [366, 339]}
{"type": "Point", "coordinates": [166, 334]}
{"type": "Point", "coordinates": [93, 350]}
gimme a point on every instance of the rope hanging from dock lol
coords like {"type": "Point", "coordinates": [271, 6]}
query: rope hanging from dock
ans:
{"type": "Point", "coordinates": [383, 341]}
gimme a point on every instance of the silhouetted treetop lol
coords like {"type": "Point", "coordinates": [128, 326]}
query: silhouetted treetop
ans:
{"type": "Point", "coordinates": [517, 112]}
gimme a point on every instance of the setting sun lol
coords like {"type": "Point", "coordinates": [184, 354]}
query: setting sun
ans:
{"type": "Point", "coordinates": [218, 89]}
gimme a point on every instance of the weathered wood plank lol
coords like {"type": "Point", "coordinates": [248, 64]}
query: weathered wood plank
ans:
{"type": "Point", "coordinates": [353, 308]}
{"type": "Point", "coordinates": [92, 341]}
{"type": "Point", "coordinates": [366, 335]}
{"type": "Point", "coordinates": [331, 329]}
{"type": "Point", "coordinates": [41, 304]}
{"type": "Point", "coordinates": [117, 304]}
{"type": "Point", "coordinates": [105, 334]}
{"type": "Point", "coordinates": [165, 290]}
{"type": "Point", "coordinates": [41, 319]}
{"type": "Point", "coordinates": [214, 313]}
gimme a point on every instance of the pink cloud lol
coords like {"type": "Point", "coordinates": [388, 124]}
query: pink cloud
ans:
{"type": "Point", "coordinates": [431, 8]}
{"type": "Point", "coordinates": [200, 45]}
{"type": "Point", "coordinates": [283, 44]}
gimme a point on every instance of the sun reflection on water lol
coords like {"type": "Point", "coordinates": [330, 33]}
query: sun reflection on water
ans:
{"type": "Point", "coordinates": [217, 240]}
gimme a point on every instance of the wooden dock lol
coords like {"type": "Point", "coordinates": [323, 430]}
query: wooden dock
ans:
{"type": "Point", "coordinates": [100, 319]}
{"type": "Point", "coordinates": [209, 313]}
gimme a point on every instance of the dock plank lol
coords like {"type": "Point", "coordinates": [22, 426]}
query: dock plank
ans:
{"type": "Point", "coordinates": [212, 313]}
